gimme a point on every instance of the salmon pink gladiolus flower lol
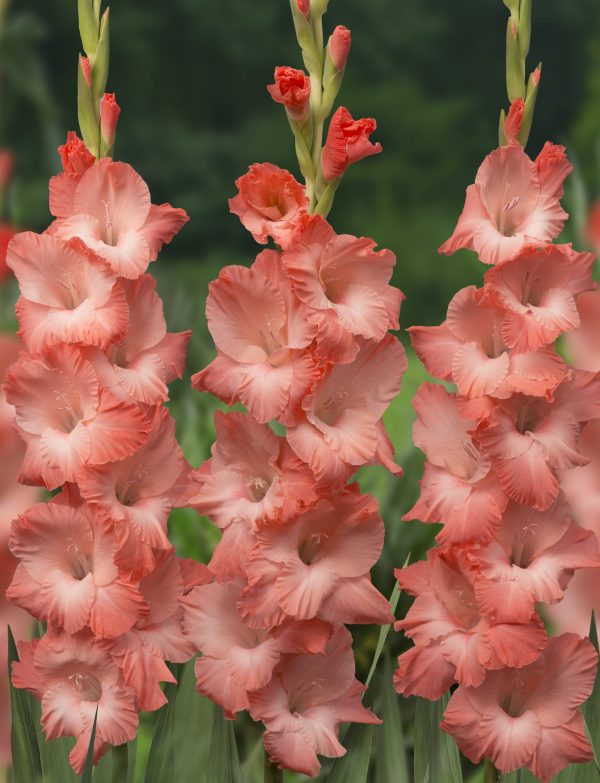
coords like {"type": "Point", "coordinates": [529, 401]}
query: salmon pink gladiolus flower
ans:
{"type": "Point", "coordinates": [528, 717]}
{"type": "Point", "coordinates": [140, 365]}
{"type": "Point", "coordinates": [109, 209]}
{"type": "Point", "coordinates": [344, 283]}
{"type": "Point", "coordinates": [305, 702]}
{"type": "Point", "coordinates": [237, 660]}
{"type": "Point", "coordinates": [67, 574]}
{"type": "Point", "coordinates": [529, 440]}
{"type": "Point", "coordinates": [74, 155]}
{"type": "Point", "coordinates": [531, 560]}
{"type": "Point", "coordinates": [347, 143]}
{"type": "Point", "coordinates": [341, 429]}
{"type": "Point", "coordinates": [468, 349]}
{"type": "Point", "coordinates": [68, 294]}
{"type": "Point", "coordinates": [292, 89]}
{"type": "Point", "coordinates": [158, 636]}
{"type": "Point", "coordinates": [458, 487]}
{"type": "Point", "coordinates": [141, 490]}
{"type": "Point", "coordinates": [318, 565]}
{"type": "Point", "coordinates": [252, 478]}
{"type": "Point", "coordinates": [515, 201]}
{"type": "Point", "coordinates": [453, 635]}
{"type": "Point", "coordinates": [593, 227]}
{"type": "Point", "coordinates": [514, 120]}
{"type": "Point", "coordinates": [73, 677]}
{"type": "Point", "coordinates": [109, 117]}
{"type": "Point", "coordinates": [537, 290]}
{"type": "Point", "coordinates": [66, 419]}
{"type": "Point", "coordinates": [270, 203]}
{"type": "Point", "coordinates": [261, 332]}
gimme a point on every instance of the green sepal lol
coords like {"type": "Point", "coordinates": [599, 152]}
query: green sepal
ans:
{"type": "Point", "coordinates": [87, 113]}
{"type": "Point", "coordinates": [525, 27]}
{"type": "Point", "coordinates": [326, 196]}
{"type": "Point", "coordinates": [332, 83]}
{"type": "Point", "coordinates": [27, 765]}
{"type": "Point", "coordinates": [533, 87]}
{"type": "Point", "coordinates": [515, 65]}
{"type": "Point", "coordinates": [97, 4]}
{"type": "Point", "coordinates": [502, 140]}
{"type": "Point", "coordinates": [102, 57]}
{"type": "Point", "coordinates": [88, 26]}
{"type": "Point", "coordinates": [513, 7]}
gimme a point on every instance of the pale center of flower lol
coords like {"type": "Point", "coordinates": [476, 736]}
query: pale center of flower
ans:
{"type": "Point", "coordinates": [521, 555]}
{"type": "Point", "coordinates": [72, 298]}
{"type": "Point", "coordinates": [68, 405]}
{"type": "Point", "coordinates": [530, 294]}
{"type": "Point", "coordinates": [309, 549]}
{"type": "Point", "coordinates": [258, 488]}
{"type": "Point", "coordinates": [508, 219]}
{"type": "Point", "coordinates": [81, 564]}
{"type": "Point", "coordinates": [329, 409]}
{"type": "Point", "coordinates": [128, 491]}
{"type": "Point", "coordinates": [269, 340]}
{"type": "Point", "coordinates": [109, 233]}
{"type": "Point", "coordinates": [87, 685]}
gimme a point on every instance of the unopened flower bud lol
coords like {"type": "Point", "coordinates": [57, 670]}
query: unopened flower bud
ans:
{"type": "Point", "coordinates": [514, 120]}
{"type": "Point", "coordinates": [7, 167]}
{"type": "Point", "coordinates": [292, 89]}
{"type": "Point", "coordinates": [347, 142]}
{"type": "Point", "coordinates": [86, 70]}
{"type": "Point", "coordinates": [109, 116]}
{"type": "Point", "coordinates": [339, 47]}
{"type": "Point", "coordinates": [74, 155]}
{"type": "Point", "coordinates": [303, 7]}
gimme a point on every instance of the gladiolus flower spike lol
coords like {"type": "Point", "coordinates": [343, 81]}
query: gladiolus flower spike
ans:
{"type": "Point", "coordinates": [302, 338]}
{"type": "Point", "coordinates": [499, 452]}
{"type": "Point", "coordinates": [88, 391]}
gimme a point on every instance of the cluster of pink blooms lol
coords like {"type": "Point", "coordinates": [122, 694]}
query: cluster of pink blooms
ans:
{"type": "Point", "coordinates": [582, 484]}
{"type": "Point", "coordinates": [497, 453]}
{"type": "Point", "coordinates": [14, 497]}
{"type": "Point", "coordinates": [88, 391]}
{"type": "Point", "coordinates": [302, 339]}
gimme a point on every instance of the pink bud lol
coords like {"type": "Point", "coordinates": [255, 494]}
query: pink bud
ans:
{"type": "Point", "coordinates": [303, 7]}
{"type": "Point", "coordinates": [339, 47]}
{"type": "Point", "coordinates": [347, 142]}
{"type": "Point", "coordinates": [514, 120]}
{"type": "Point", "coordinates": [292, 89]}
{"type": "Point", "coordinates": [86, 70]}
{"type": "Point", "coordinates": [536, 75]}
{"type": "Point", "coordinates": [109, 116]}
{"type": "Point", "coordinates": [7, 167]}
{"type": "Point", "coordinates": [75, 156]}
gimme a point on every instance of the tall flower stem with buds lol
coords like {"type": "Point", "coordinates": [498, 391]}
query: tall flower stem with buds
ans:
{"type": "Point", "coordinates": [95, 563]}
{"type": "Point", "coordinates": [302, 340]}
{"type": "Point", "coordinates": [498, 451]}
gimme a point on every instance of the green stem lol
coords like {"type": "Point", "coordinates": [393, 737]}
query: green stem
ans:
{"type": "Point", "coordinates": [120, 763]}
{"type": "Point", "coordinates": [272, 773]}
{"type": "Point", "coordinates": [490, 773]}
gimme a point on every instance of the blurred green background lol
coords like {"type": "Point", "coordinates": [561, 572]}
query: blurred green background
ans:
{"type": "Point", "coordinates": [190, 76]}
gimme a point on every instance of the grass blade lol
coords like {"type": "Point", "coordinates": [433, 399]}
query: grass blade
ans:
{"type": "Point", "coordinates": [27, 765]}
{"type": "Point", "coordinates": [436, 756]}
{"type": "Point", "coordinates": [223, 760]}
{"type": "Point", "coordinates": [88, 768]}
{"type": "Point", "coordinates": [354, 766]}
{"type": "Point", "coordinates": [391, 761]}
{"type": "Point", "coordinates": [385, 629]}
{"type": "Point", "coordinates": [161, 759]}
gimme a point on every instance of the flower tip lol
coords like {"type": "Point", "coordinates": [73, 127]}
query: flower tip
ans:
{"type": "Point", "coordinates": [339, 47]}
{"type": "Point", "coordinates": [514, 120]}
{"type": "Point", "coordinates": [109, 117]}
{"type": "Point", "coordinates": [303, 7]}
{"type": "Point", "coordinates": [86, 70]}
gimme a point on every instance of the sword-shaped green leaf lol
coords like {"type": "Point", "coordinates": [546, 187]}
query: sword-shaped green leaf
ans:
{"type": "Point", "coordinates": [27, 765]}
